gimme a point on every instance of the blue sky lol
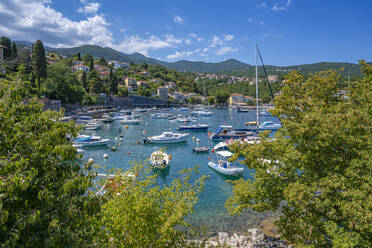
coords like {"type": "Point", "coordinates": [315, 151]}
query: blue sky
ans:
{"type": "Point", "coordinates": [289, 32]}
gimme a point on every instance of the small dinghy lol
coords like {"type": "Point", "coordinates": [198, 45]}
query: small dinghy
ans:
{"type": "Point", "coordinates": [200, 149]}
{"type": "Point", "coordinates": [223, 166]}
{"type": "Point", "coordinates": [159, 160]}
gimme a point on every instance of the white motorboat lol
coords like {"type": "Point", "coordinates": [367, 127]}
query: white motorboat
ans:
{"type": "Point", "coordinates": [87, 140]}
{"type": "Point", "coordinates": [160, 116]}
{"type": "Point", "coordinates": [167, 137]}
{"type": "Point", "coordinates": [223, 166]}
{"type": "Point", "coordinates": [224, 145]}
{"type": "Point", "coordinates": [202, 113]}
{"type": "Point", "coordinates": [185, 119]}
{"type": "Point", "coordinates": [184, 109]}
{"type": "Point", "coordinates": [93, 125]}
{"type": "Point", "coordinates": [227, 132]}
{"type": "Point", "coordinates": [159, 160]}
{"type": "Point", "coordinates": [130, 121]}
{"type": "Point", "coordinates": [84, 119]}
{"type": "Point", "coordinates": [269, 125]}
{"type": "Point", "coordinates": [119, 116]}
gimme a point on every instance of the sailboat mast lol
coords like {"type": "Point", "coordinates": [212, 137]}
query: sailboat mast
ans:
{"type": "Point", "coordinates": [257, 116]}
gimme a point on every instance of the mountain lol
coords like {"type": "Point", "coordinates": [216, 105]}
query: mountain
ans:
{"type": "Point", "coordinates": [231, 66]}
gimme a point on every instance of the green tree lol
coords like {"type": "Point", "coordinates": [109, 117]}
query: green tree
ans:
{"type": "Point", "coordinates": [320, 173]}
{"type": "Point", "coordinates": [89, 61]}
{"type": "Point", "coordinates": [221, 97]}
{"type": "Point", "coordinates": [39, 65]}
{"type": "Point", "coordinates": [5, 41]}
{"type": "Point", "coordinates": [95, 83]}
{"type": "Point", "coordinates": [43, 187]}
{"type": "Point", "coordinates": [211, 100]}
{"type": "Point", "coordinates": [123, 91]}
{"type": "Point", "coordinates": [84, 82]}
{"type": "Point", "coordinates": [14, 50]}
{"type": "Point", "coordinates": [140, 213]}
{"type": "Point", "coordinates": [102, 61]}
{"type": "Point", "coordinates": [62, 84]}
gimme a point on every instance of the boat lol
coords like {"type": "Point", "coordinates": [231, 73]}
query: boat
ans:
{"type": "Point", "coordinates": [224, 145]}
{"type": "Point", "coordinates": [223, 166]}
{"type": "Point", "coordinates": [107, 119]}
{"type": "Point", "coordinates": [88, 141]}
{"type": "Point", "coordinates": [269, 125]}
{"type": "Point", "coordinates": [227, 132]}
{"type": "Point", "coordinates": [200, 149]}
{"type": "Point", "coordinates": [202, 113]}
{"type": "Point", "coordinates": [84, 119]}
{"type": "Point", "coordinates": [183, 109]}
{"type": "Point", "coordinates": [159, 160]}
{"type": "Point", "coordinates": [185, 119]}
{"type": "Point", "coordinates": [130, 121]}
{"type": "Point", "coordinates": [167, 137]}
{"type": "Point", "coordinates": [242, 110]}
{"type": "Point", "coordinates": [93, 125]}
{"type": "Point", "coordinates": [119, 116]}
{"type": "Point", "coordinates": [160, 116]}
{"type": "Point", "coordinates": [194, 127]}
{"type": "Point", "coordinates": [265, 113]}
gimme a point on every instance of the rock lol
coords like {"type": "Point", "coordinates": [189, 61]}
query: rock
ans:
{"type": "Point", "coordinates": [223, 237]}
{"type": "Point", "coordinates": [256, 235]}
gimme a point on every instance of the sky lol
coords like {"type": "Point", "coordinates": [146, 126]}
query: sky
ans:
{"type": "Point", "coordinates": [288, 32]}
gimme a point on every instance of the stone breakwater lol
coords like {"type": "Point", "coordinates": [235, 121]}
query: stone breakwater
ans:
{"type": "Point", "coordinates": [254, 239]}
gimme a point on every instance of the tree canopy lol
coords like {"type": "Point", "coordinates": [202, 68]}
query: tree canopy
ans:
{"type": "Point", "coordinates": [39, 64]}
{"type": "Point", "coordinates": [318, 169]}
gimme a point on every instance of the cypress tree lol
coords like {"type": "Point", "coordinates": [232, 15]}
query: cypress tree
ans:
{"type": "Point", "coordinates": [39, 65]}
{"type": "Point", "coordinates": [84, 80]}
{"type": "Point", "coordinates": [14, 50]}
{"type": "Point", "coordinates": [5, 41]}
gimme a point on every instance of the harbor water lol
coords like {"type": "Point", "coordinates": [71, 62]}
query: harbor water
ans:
{"type": "Point", "coordinates": [210, 210]}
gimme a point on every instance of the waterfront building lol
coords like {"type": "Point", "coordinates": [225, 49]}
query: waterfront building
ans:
{"type": "Point", "coordinates": [163, 93]}
{"type": "Point", "coordinates": [131, 82]}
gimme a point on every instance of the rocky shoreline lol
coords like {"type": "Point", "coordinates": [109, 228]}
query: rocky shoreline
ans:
{"type": "Point", "coordinates": [253, 239]}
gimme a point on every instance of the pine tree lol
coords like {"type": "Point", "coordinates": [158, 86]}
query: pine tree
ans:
{"type": "Point", "coordinates": [5, 41]}
{"type": "Point", "coordinates": [14, 50]}
{"type": "Point", "coordinates": [84, 80]}
{"type": "Point", "coordinates": [39, 65]}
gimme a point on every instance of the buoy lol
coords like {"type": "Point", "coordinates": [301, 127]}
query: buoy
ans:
{"type": "Point", "coordinates": [90, 161]}
{"type": "Point", "coordinates": [113, 149]}
{"type": "Point", "coordinates": [212, 150]}
{"type": "Point", "coordinates": [126, 126]}
{"type": "Point", "coordinates": [128, 153]}
{"type": "Point", "coordinates": [209, 133]}
{"type": "Point", "coordinates": [197, 140]}
{"type": "Point", "coordinates": [121, 139]}
{"type": "Point", "coordinates": [193, 138]}
{"type": "Point", "coordinates": [105, 155]}
{"type": "Point", "coordinates": [209, 158]}
{"type": "Point", "coordinates": [138, 142]}
{"type": "Point", "coordinates": [170, 156]}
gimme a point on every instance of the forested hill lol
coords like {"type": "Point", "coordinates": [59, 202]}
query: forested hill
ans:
{"type": "Point", "coordinates": [231, 66]}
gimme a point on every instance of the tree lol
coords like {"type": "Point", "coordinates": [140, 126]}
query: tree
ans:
{"type": "Point", "coordinates": [78, 57]}
{"type": "Point", "coordinates": [221, 98]}
{"type": "Point", "coordinates": [39, 65]}
{"type": "Point", "coordinates": [123, 91]}
{"type": "Point", "coordinates": [95, 83]}
{"type": "Point", "coordinates": [89, 61]}
{"type": "Point", "coordinates": [113, 82]}
{"type": "Point", "coordinates": [211, 100]}
{"type": "Point", "coordinates": [84, 82]}
{"type": "Point", "coordinates": [102, 61]}
{"type": "Point", "coordinates": [318, 169]}
{"type": "Point", "coordinates": [43, 186]}
{"type": "Point", "coordinates": [140, 213]}
{"type": "Point", "coordinates": [62, 84]}
{"type": "Point", "coordinates": [14, 50]}
{"type": "Point", "coordinates": [7, 52]}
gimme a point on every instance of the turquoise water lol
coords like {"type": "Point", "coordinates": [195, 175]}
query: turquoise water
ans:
{"type": "Point", "coordinates": [210, 209]}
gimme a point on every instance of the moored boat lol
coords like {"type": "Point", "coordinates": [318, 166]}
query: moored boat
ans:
{"type": "Point", "coordinates": [269, 125]}
{"type": "Point", "coordinates": [227, 132]}
{"type": "Point", "coordinates": [194, 127]}
{"type": "Point", "coordinates": [89, 141]}
{"type": "Point", "coordinates": [159, 160]}
{"type": "Point", "coordinates": [167, 137]}
{"type": "Point", "coordinates": [200, 149]}
{"type": "Point", "coordinates": [223, 166]}
{"type": "Point", "coordinates": [130, 121]}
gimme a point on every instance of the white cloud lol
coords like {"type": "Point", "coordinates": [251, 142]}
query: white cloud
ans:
{"type": "Point", "coordinates": [224, 50]}
{"type": "Point", "coordinates": [90, 8]}
{"type": "Point", "coordinates": [122, 30]}
{"type": "Point", "coordinates": [171, 39]}
{"type": "Point", "coordinates": [229, 37]}
{"type": "Point", "coordinates": [261, 23]}
{"type": "Point", "coordinates": [262, 5]}
{"type": "Point", "coordinates": [250, 20]}
{"type": "Point", "coordinates": [182, 54]}
{"type": "Point", "coordinates": [193, 35]}
{"type": "Point", "coordinates": [178, 19]}
{"type": "Point", "coordinates": [187, 41]}
{"type": "Point", "coordinates": [32, 20]}
{"type": "Point", "coordinates": [276, 7]}
{"type": "Point", "coordinates": [47, 1]}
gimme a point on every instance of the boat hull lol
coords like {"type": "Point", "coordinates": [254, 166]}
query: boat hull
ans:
{"type": "Point", "coordinates": [94, 143]}
{"type": "Point", "coordinates": [226, 171]}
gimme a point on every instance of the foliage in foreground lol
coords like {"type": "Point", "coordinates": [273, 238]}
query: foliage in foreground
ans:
{"type": "Point", "coordinates": [320, 172]}
{"type": "Point", "coordinates": [47, 197]}
{"type": "Point", "coordinates": [42, 186]}
{"type": "Point", "coordinates": [140, 213]}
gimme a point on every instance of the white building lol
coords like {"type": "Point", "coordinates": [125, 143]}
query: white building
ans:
{"type": "Point", "coordinates": [163, 93]}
